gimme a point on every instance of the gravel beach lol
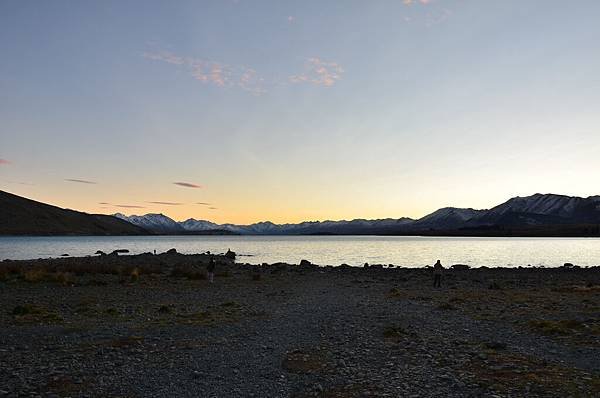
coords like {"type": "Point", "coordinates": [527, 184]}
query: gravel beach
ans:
{"type": "Point", "coordinates": [153, 326]}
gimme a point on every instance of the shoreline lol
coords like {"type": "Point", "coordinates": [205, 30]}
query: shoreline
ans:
{"type": "Point", "coordinates": [152, 325]}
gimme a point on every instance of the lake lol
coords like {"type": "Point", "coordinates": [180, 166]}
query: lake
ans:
{"type": "Point", "coordinates": [328, 250]}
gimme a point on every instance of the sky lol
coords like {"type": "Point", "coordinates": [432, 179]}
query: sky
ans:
{"type": "Point", "coordinates": [247, 110]}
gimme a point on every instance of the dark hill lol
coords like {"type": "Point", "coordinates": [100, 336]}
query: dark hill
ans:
{"type": "Point", "coordinates": [22, 216]}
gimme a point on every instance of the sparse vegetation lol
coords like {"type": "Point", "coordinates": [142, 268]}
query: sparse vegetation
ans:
{"type": "Point", "coordinates": [35, 314]}
{"type": "Point", "coordinates": [300, 361]}
{"type": "Point", "coordinates": [164, 309]}
{"type": "Point", "coordinates": [394, 332]}
{"type": "Point", "coordinates": [446, 307]}
{"type": "Point", "coordinates": [188, 272]}
{"type": "Point", "coordinates": [562, 327]}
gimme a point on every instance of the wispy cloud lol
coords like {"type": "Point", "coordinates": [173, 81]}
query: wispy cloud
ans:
{"type": "Point", "coordinates": [18, 182]}
{"type": "Point", "coordinates": [166, 203]}
{"type": "Point", "coordinates": [409, 2]}
{"type": "Point", "coordinates": [319, 72]}
{"type": "Point", "coordinates": [4, 161]}
{"type": "Point", "coordinates": [123, 206]}
{"type": "Point", "coordinates": [434, 15]}
{"type": "Point", "coordinates": [203, 203]}
{"type": "Point", "coordinates": [216, 73]}
{"type": "Point", "coordinates": [316, 71]}
{"type": "Point", "coordinates": [80, 181]}
{"type": "Point", "coordinates": [187, 184]}
{"type": "Point", "coordinates": [213, 208]}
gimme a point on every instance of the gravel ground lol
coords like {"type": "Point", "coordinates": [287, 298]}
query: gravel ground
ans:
{"type": "Point", "coordinates": [291, 331]}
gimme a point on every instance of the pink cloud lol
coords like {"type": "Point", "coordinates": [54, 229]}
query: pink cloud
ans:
{"type": "Point", "coordinates": [187, 185]}
{"type": "Point", "coordinates": [409, 2]}
{"type": "Point", "coordinates": [4, 161]}
{"type": "Point", "coordinates": [319, 72]}
{"type": "Point", "coordinates": [216, 73]}
{"type": "Point", "coordinates": [167, 203]}
{"type": "Point", "coordinates": [80, 181]}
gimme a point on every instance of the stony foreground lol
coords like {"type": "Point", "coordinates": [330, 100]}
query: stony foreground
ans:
{"type": "Point", "coordinates": [152, 326]}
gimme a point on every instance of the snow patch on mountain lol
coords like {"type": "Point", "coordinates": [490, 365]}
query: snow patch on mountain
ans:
{"type": "Point", "coordinates": [153, 222]}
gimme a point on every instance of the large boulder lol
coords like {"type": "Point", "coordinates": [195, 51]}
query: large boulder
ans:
{"type": "Point", "coordinates": [230, 255]}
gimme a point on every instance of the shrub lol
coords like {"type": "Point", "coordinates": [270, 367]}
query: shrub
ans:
{"type": "Point", "coordinates": [391, 332]}
{"type": "Point", "coordinates": [188, 272]}
{"type": "Point", "coordinates": [34, 313]}
{"type": "Point", "coordinates": [112, 311]}
{"type": "Point", "coordinates": [26, 309]}
{"type": "Point", "coordinates": [134, 275]}
{"type": "Point", "coordinates": [563, 327]}
{"type": "Point", "coordinates": [35, 275]}
{"type": "Point", "coordinates": [223, 274]}
{"type": "Point", "coordinates": [164, 309]}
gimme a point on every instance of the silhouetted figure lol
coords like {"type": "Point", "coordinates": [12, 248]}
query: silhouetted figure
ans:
{"type": "Point", "coordinates": [211, 268]}
{"type": "Point", "coordinates": [437, 274]}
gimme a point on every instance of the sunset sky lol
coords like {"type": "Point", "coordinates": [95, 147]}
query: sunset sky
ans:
{"type": "Point", "coordinates": [248, 110]}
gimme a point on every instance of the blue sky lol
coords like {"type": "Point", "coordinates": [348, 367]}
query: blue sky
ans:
{"type": "Point", "coordinates": [297, 110]}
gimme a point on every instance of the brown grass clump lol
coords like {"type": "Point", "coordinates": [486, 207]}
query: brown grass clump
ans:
{"type": "Point", "coordinates": [188, 272]}
{"type": "Point", "coordinates": [126, 342]}
{"type": "Point", "coordinates": [43, 270]}
{"type": "Point", "coordinates": [223, 274]}
{"type": "Point", "coordinates": [164, 309]}
{"type": "Point", "coordinates": [64, 386]}
{"type": "Point", "coordinates": [227, 312]}
{"type": "Point", "coordinates": [514, 374]}
{"type": "Point", "coordinates": [35, 314]}
{"type": "Point", "coordinates": [394, 332]}
{"type": "Point", "coordinates": [38, 275]}
{"type": "Point", "coordinates": [112, 311]}
{"type": "Point", "coordinates": [35, 275]}
{"type": "Point", "coordinates": [4, 273]}
{"type": "Point", "coordinates": [134, 275]}
{"type": "Point", "coordinates": [298, 361]}
{"type": "Point", "coordinates": [563, 327]}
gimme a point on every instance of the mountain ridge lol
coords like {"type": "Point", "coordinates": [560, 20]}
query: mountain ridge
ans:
{"type": "Point", "coordinates": [519, 212]}
{"type": "Point", "coordinates": [23, 216]}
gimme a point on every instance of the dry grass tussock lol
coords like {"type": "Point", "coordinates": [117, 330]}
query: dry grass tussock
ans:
{"type": "Point", "coordinates": [65, 271]}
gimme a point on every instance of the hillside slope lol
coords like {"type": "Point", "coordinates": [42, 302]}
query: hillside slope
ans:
{"type": "Point", "coordinates": [22, 216]}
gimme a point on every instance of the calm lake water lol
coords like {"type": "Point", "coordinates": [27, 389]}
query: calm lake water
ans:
{"type": "Point", "coordinates": [329, 250]}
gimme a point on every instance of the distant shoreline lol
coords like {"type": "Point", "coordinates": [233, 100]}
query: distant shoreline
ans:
{"type": "Point", "coordinates": [492, 233]}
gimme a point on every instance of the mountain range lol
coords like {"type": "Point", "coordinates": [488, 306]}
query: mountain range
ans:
{"type": "Point", "coordinates": [539, 214]}
{"type": "Point", "coordinates": [536, 215]}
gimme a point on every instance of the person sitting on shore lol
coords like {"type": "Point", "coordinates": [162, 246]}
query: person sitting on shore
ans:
{"type": "Point", "coordinates": [211, 268]}
{"type": "Point", "coordinates": [437, 274]}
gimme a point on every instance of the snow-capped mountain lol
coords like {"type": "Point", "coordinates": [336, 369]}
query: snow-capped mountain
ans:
{"type": "Point", "coordinates": [157, 223]}
{"type": "Point", "coordinates": [198, 225]}
{"type": "Point", "coordinates": [545, 209]}
{"type": "Point", "coordinates": [306, 227]}
{"type": "Point", "coordinates": [535, 210]}
{"type": "Point", "coordinates": [449, 218]}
